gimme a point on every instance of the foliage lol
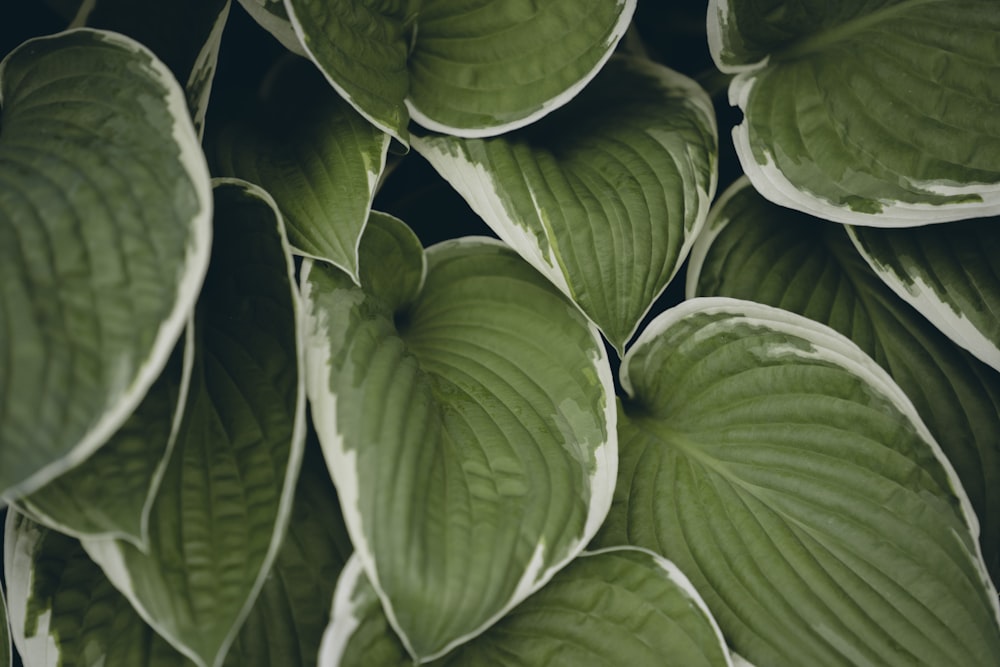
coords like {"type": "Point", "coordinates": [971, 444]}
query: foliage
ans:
{"type": "Point", "coordinates": [353, 333]}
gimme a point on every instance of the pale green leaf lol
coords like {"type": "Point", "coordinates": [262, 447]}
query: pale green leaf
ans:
{"type": "Point", "coordinates": [753, 249]}
{"type": "Point", "coordinates": [184, 34]}
{"type": "Point", "coordinates": [317, 157]}
{"type": "Point", "coordinates": [950, 273]}
{"type": "Point", "coordinates": [110, 494]}
{"type": "Point", "coordinates": [794, 483]}
{"type": "Point", "coordinates": [871, 112]}
{"type": "Point", "coordinates": [272, 16]}
{"type": "Point", "coordinates": [293, 609]}
{"type": "Point", "coordinates": [469, 430]}
{"type": "Point", "coordinates": [65, 613]}
{"type": "Point", "coordinates": [604, 196]}
{"type": "Point", "coordinates": [480, 68]}
{"type": "Point", "coordinates": [105, 211]}
{"type": "Point", "coordinates": [217, 522]}
{"type": "Point", "coordinates": [618, 606]}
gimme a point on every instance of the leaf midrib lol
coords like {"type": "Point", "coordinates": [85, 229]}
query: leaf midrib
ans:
{"type": "Point", "coordinates": [821, 41]}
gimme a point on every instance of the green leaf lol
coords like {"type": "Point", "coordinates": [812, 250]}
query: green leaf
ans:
{"type": "Point", "coordinates": [184, 34]}
{"type": "Point", "coordinates": [754, 250]}
{"type": "Point", "coordinates": [950, 273]}
{"type": "Point", "coordinates": [104, 240]}
{"type": "Point", "coordinates": [460, 67]}
{"type": "Point", "coordinates": [217, 522]}
{"type": "Point", "coordinates": [866, 112]}
{"type": "Point", "coordinates": [6, 654]}
{"type": "Point", "coordinates": [272, 16]}
{"type": "Point", "coordinates": [619, 606]}
{"type": "Point", "coordinates": [317, 157]}
{"type": "Point", "coordinates": [605, 196]}
{"type": "Point", "coordinates": [481, 68]}
{"type": "Point", "coordinates": [65, 613]}
{"type": "Point", "coordinates": [110, 494]}
{"type": "Point", "coordinates": [467, 423]}
{"type": "Point", "coordinates": [793, 482]}
{"type": "Point", "coordinates": [293, 609]}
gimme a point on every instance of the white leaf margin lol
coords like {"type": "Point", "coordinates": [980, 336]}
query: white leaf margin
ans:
{"type": "Point", "coordinates": [5, 637]}
{"type": "Point", "coordinates": [25, 506]}
{"type": "Point", "coordinates": [108, 554]}
{"type": "Point", "coordinates": [829, 346]}
{"type": "Point", "coordinates": [626, 12]}
{"type": "Point", "coordinates": [21, 540]}
{"type": "Point", "coordinates": [718, 219]}
{"type": "Point", "coordinates": [947, 317]}
{"type": "Point", "coordinates": [189, 285]}
{"type": "Point", "coordinates": [279, 29]}
{"type": "Point", "coordinates": [342, 462]}
{"type": "Point", "coordinates": [485, 194]}
{"type": "Point", "coordinates": [204, 68]}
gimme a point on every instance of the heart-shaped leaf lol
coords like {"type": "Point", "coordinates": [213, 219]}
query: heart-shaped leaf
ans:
{"type": "Point", "coordinates": [793, 482]}
{"type": "Point", "coordinates": [467, 422]}
{"type": "Point", "coordinates": [217, 522]}
{"type": "Point", "coordinates": [110, 494]}
{"type": "Point", "coordinates": [105, 211]}
{"type": "Point", "coordinates": [605, 196]}
{"type": "Point", "coordinates": [868, 112]}
{"type": "Point", "coordinates": [316, 156]}
{"type": "Point", "coordinates": [184, 34]}
{"type": "Point", "coordinates": [618, 606]}
{"type": "Point", "coordinates": [466, 68]}
{"type": "Point", "coordinates": [752, 249]}
{"type": "Point", "coordinates": [950, 273]}
{"type": "Point", "coordinates": [64, 612]}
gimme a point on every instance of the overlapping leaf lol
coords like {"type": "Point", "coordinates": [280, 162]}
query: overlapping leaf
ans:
{"type": "Point", "coordinates": [471, 68]}
{"type": "Point", "coordinates": [317, 157]}
{"type": "Point", "coordinates": [950, 273]}
{"type": "Point", "coordinates": [866, 112]}
{"type": "Point", "coordinates": [104, 239]}
{"type": "Point", "coordinates": [619, 606]}
{"type": "Point", "coordinates": [468, 424]}
{"type": "Point", "coordinates": [110, 494]}
{"type": "Point", "coordinates": [754, 250]}
{"type": "Point", "coordinates": [272, 16]}
{"type": "Point", "coordinates": [793, 482]}
{"type": "Point", "coordinates": [604, 197]}
{"type": "Point", "coordinates": [184, 34]}
{"type": "Point", "coordinates": [218, 519]}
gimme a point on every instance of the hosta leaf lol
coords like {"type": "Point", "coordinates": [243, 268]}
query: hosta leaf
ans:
{"type": "Point", "coordinates": [869, 112]}
{"type": "Point", "coordinates": [471, 68]}
{"type": "Point", "coordinates": [272, 16]}
{"type": "Point", "coordinates": [619, 606]}
{"type": "Point", "coordinates": [104, 239]}
{"type": "Point", "coordinates": [317, 157]}
{"type": "Point", "coordinates": [184, 34]}
{"type": "Point", "coordinates": [794, 483]}
{"type": "Point", "coordinates": [481, 68]}
{"type": "Point", "coordinates": [752, 249]}
{"type": "Point", "coordinates": [950, 273]}
{"type": "Point", "coordinates": [293, 609]}
{"type": "Point", "coordinates": [110, 494]}
{"type": "Point", "coordinates": [218, 519]}
{"type": "Point", "coordinates": [64, 611]}
{"type": "Point", "coordinates": [604, 197]}
{"type": "Point", "coordinates": [467, 423]}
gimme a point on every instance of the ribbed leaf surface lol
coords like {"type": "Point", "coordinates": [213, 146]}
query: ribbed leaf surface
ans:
{"type": "Point", "coordinates": [65, 612]}
{"type": "Point", "coordinates": [316, 156]}
{"type": "Point", "coordinates": [104, 240]}
{"type": "Point", "coordinates": [110, 494]}
{"type": "Point", "coordinates": [950, 273]}
{"type": "Point", "coordinates": [872, 112]}
{"type": "Point", "coordinates": [755, 250]}
{"type": "Point", "coordinates": [619, 606]}
{"type": "Point", "coordinates": [468, 427]}
{"type": "Point", "coordinates": [218, 519]}
{"type": "Point", "coordinates": [472, 68]}
{"type": "Point", "coordinates": [793, 482]}
{"type": "Point", "coordinates": [605, 196]}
